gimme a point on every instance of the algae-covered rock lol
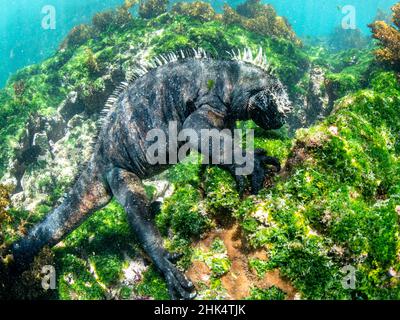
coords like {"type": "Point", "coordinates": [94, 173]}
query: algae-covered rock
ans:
{"type": "Point", "coordinates": [261, 19]}
{"type": "Point", "coordinates": [335, 204]}
{"type": "Point", "coordinates": [77, 36]}
{"type": "Point", "coordinates": [344, 39]}
{"type": "Point", "coordinates": [152, 8]}
{"type": "Point", "coordinates": [198, 10]}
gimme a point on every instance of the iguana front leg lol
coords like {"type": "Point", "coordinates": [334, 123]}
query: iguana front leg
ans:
{"type": "Point", "coordinates": [128, 190]}
{"type": "Point", "coordinates": [261, 159]}
{"type": "Point", "coordinates": [208, 117]}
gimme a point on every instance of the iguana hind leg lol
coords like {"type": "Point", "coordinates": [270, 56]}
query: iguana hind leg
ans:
{"type": "Point", "coordinates": [89, 194]}
{"type": "Point", "coordinates": [129, 191]}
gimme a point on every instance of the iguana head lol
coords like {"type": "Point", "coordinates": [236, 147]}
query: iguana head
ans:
{"type": "Point", "coordinates": [260, 96]}
{"type": "Point", "coordinates": [268, 106]}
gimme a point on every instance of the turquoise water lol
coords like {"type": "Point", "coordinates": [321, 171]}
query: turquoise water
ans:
{"type": "Point", "coordinates": [319, 17]}
{"type": "Point", "coordinates": [23, 41]}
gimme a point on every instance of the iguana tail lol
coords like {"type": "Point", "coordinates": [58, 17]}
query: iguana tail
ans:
{"type": "Point", "coordinates": [90, 193]}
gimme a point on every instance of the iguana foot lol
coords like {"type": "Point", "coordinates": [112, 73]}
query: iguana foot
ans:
{"type": "Point", "coordinates": [261, 171]}
{"type": "Point", "coordinates": [155, 209]}
{"type": "Point", "coordinates": [179, 287]}
{"type": "Point", "coordinates": [261, 160]}
{"type": "Point", "coordinates": [174, 257]}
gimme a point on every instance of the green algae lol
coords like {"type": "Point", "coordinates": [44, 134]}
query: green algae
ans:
{"type": "Point", "coordinates": [335, 207]}
{"type": "Point", "coordinates": [272, 293]}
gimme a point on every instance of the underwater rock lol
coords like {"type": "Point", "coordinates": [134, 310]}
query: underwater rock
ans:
{"type": "Point", "coordinates": [55, 128]}
{"type": "Point", "coordinates": [112, 19]}
{"type": "Point", "coordinates": [26, 152]}
{"type": "Point", "coordinates": [8, 179]}
{"type": "Point", "coordinates": [314, 105]}
{"type": "Point", "coordinates": [51, 163]}
{"type": "Point", "coordinates": [19, 88]}
{"type": "Point", "coordinates": [18, 199]}
{"type": "Point", "coordinates": [91, 62]}
{"type": "Point", "coordinates": [53, 148]}
{"type": "Point", "coordinates": [40, 140]}
{"type": "Point", "coordinates": [91, 98]}
{"type": "Point", "coordinates": [133, 273]}
{"type": "Point", "coordinates": [152, 8]}
{"type": "Point", "coordinates": [251, 8]}
{"type": "Point", "coordinates": [13, 175]}
{"type": "Point", "coordinates": [5, 203]}
{"type": "Point", "coordinates": [76, 121]}
{"type": "Point", "coordinates": [345, 39]}
{"type": "Point", "coordinates": [59, 167]}
{"type": "Point", "coordinates": [317, 107]}
{"type": "Point", "coordinates": [36, 144]}
{"type": "Point", "coordinates": [77, 36]}
{"type": "Point", "coordinates": [199, 10]}
{"type": "Point", "coordinates": [262, 20]}
{"type": "Point", "coordinates": [71, 106]}
{"type": "Point", "coordinates": [95, 98]}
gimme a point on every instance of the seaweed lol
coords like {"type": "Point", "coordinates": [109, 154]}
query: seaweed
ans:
{"type": "Point", "coordinates": [336, 202]}
{"type": "Point", "coordinates": [388, 39]}
{"type": "Point", "coordinates": [261, 19]}
{"type": "Point", "coordinates": [202, 11]}
{"type": "Point", "coordinates": [19, 88]}
{"type": "Point", "coordinates": [118, 18]}
{"type": "Point", "coordinates": [77, 36]}
{"type": "Point", "coordinates": [272, 293]}
{"type": "Point", "coordinates": [152, 8]}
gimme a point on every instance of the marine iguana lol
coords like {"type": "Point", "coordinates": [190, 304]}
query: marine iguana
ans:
{"type": "Point", "coordinates": [176, 88]}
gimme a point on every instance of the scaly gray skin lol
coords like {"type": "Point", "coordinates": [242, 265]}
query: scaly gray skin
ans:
{"type": "Point", "coordinates": [178, 91]}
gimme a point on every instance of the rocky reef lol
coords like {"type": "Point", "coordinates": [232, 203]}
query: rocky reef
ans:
{"type": "Point", "coordinates": [388, 37]}
{"type": "Point", "coordinates": [336, 203]}
{"type": "Point", "coordinates": [152, 8]}
{"type": "Point", "coordinates": [260, 18]}
{"type": "Point", "coordinates": [345, 39]}
{"type": "Point", "coordinates": [199, 10]}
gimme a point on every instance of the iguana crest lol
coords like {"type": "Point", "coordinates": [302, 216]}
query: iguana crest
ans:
{"type": "Point", "coordinates": [246, 55]}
